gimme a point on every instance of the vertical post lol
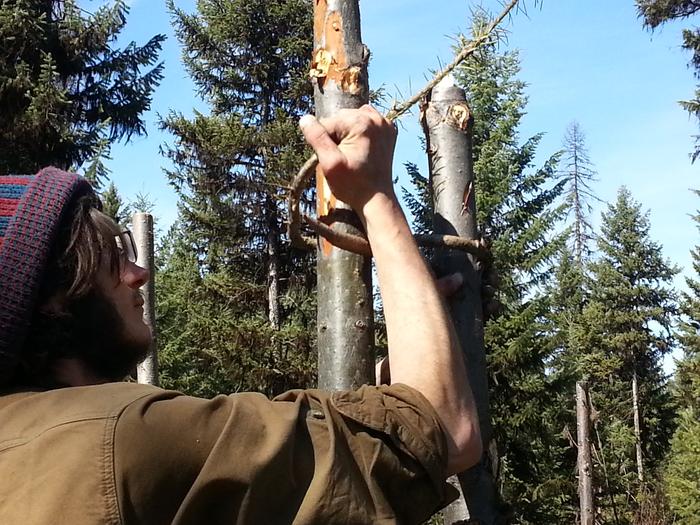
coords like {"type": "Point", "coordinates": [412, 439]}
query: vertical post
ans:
{"type": "Point", "coordinates": [637, 425]}
{"type": "Point", "coordinates": [583, 462]}
{"type": "Point", "coordinates": [345, 315]}
{"type": "Point", "coordinates": [142, 225]}
{"type": "Point", "coordinates": [448, 124]}
{"type": "Point", "coordinates": [273, 255]}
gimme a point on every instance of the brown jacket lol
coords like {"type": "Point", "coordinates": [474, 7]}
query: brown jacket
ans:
{"type": "Point", "coordinates": [123, 453]}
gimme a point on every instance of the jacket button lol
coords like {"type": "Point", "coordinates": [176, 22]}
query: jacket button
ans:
{"type": "Point", "coordinates": [317, 414]}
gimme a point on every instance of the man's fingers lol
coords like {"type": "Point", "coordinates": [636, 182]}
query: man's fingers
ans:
{"type": "Point", "coordinates": [321, 141]}
{"type": "Point", "coordinates": [449, 284]}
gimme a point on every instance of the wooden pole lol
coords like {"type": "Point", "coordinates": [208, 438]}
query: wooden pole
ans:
{"type": "Point", "coordinates": [448, 123]}
{"type": "Point", "coordinates": [637, 425]}
{"type": "Point", "coordinates": [345, 315]}
{"type": "Point", "coordinates": [142, 229]}
{"type": "Point", "coordinates": [584, 463]}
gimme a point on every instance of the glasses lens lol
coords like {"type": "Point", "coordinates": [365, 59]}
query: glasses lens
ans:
{"type": "Point", "coordinates": [126, 245]}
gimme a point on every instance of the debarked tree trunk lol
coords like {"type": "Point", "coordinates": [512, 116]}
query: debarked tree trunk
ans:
{"type": "Point", "coordinates": [448, 122]}
{"type": "Point", "coordinates": [345, 314]}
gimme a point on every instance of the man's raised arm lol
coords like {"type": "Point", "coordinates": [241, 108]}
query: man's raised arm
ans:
{"type": "Point", "coordinates": [355, 150]}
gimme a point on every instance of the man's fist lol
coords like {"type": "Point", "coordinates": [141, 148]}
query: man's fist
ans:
{"type": "Point", "coordinates": [355, 150]}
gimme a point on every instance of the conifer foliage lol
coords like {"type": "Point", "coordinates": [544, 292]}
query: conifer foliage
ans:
{"type": "Point", "coordinates": [656, 13]}
{"type": "Point", "coordinates": [66, 89]}
{"type": "Point", "coordinates": [624, 332]}
{"type": "Point", "coordinates": [578, 173]}
{"type": "Point", "coordinates": [248, 293]}
{"type": "Point", "coordinates": [682, 475]}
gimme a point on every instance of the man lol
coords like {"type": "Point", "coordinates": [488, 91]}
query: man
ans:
{"type": "Point", "coordinates": [76, 447]}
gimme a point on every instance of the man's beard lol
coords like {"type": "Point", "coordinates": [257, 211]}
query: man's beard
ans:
{"type": "Point", "coordinates": [102, 340]}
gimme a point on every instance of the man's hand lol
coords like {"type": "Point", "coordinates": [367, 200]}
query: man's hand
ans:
{"type": "Point", "coordinates": [355, 149]}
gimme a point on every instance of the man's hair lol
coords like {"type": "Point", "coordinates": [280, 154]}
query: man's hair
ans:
{"type": "Point", "coordinates": [68, 299]}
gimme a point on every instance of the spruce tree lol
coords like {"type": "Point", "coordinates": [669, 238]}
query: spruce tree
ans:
{"type": "Point", "coordinates": [578, 173]}
{"type": "Point", "coordinates": [687, 376]}
{"type": "Point", "coordinates": [567, 292]}
{"type": "Point", "coordinates": [66, 90]}
{"type": "Point", "coordinates": [113, 205]}
{"type": "Point", "coordinates": [625, 328]}
{"type": "Point", "coordinates": [682, 474]}
{"type": "Point", "coordinates": [230, 167]}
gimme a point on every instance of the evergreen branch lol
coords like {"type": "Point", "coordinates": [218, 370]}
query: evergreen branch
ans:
{"type": "Point", "coordinates": [303, 175]}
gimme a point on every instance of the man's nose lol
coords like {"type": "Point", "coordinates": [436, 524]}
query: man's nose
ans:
{"type": "Point", "coordinates": [135, 276]}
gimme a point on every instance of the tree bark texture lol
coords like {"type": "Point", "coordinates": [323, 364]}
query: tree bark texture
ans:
{"type": "Point", "coordinates": [584, 463]}
{"type": "Point", "coordinates": [273, 257]}
{"type": "Point", "coordinates": [637, 426]}
{"type": "Point", "coordinates": [142, 225]}
{"type": "Point", "coordinates": [345, 315]}
{"type": "Point", "coordinates": [448, 123]}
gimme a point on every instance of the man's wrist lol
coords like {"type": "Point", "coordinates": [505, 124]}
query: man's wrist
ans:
{"type": "Point", "coordinates": [380, 207]}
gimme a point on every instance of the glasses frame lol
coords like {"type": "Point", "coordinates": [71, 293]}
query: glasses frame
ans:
{"type": "Point", "coordinates": [126, 245]}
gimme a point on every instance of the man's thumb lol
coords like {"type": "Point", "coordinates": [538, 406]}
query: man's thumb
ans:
{"type": "Point", "coordinates": [320, 140]}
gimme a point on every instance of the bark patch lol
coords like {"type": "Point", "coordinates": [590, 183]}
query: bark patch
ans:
{"type": "Point", "coordinates": [329, 60]}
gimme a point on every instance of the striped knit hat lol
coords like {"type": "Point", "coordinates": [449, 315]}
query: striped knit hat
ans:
{"type": "Point", "coordinates": [31, 209]}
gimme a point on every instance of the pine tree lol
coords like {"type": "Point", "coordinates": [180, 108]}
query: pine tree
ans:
{"type": "Point", "coordinates": [66, 90]}
{"type": "Point", "coordinates": [578, 174]}
{"type": "Point", "coordinates": [656, 13]}
{"type": "Point", "coordinates": [683, 471]}
{"type": "Point", "coordinates": [625, 328]}
{"type": "Point", "coordinates": [248, 61]}
{"type": "Point", "coordinates": [113, 205]}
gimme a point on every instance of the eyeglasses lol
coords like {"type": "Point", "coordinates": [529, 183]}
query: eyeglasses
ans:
{"type": "Point", "coordinates": [126, 246]}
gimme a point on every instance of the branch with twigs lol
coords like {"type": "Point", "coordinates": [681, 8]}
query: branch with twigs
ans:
{"type": "Point", "coordinates": [356, 243]}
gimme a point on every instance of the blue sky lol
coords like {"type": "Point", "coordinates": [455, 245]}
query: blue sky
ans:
{"type": "Point", "coordinates": [585, 60]}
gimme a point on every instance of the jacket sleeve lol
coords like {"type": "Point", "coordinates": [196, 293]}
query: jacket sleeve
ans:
{"type": "Point", "coordinates": [376, 455]}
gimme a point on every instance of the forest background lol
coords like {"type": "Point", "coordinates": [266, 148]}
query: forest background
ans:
{"type": "Point", "coordinates": [235, 303]}
{"type": "Point", "coordinates": [590, 61]}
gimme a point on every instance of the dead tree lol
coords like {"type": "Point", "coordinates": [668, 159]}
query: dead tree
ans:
{"type": "Point", "coordinates": [637, 425]}
{"type": "Point", "coordinates": [448, 123]}
{"type": "Point", "coordinates": [345, 314]}
{"type": "Point", "coordinates": [584, 463]}
{"type": "Point", "coordinates": [273, 257]}
{"type": "Point", "coordinates": [142, 224]}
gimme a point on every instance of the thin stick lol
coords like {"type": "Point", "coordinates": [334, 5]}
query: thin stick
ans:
{"type": "Point", "coordinates": [357, 244]}
{"type": "Point", "coordinates": [466, 52]}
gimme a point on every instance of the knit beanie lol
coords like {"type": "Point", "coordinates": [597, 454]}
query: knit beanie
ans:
{"type": "Point", "coordinates": [31, 210]}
